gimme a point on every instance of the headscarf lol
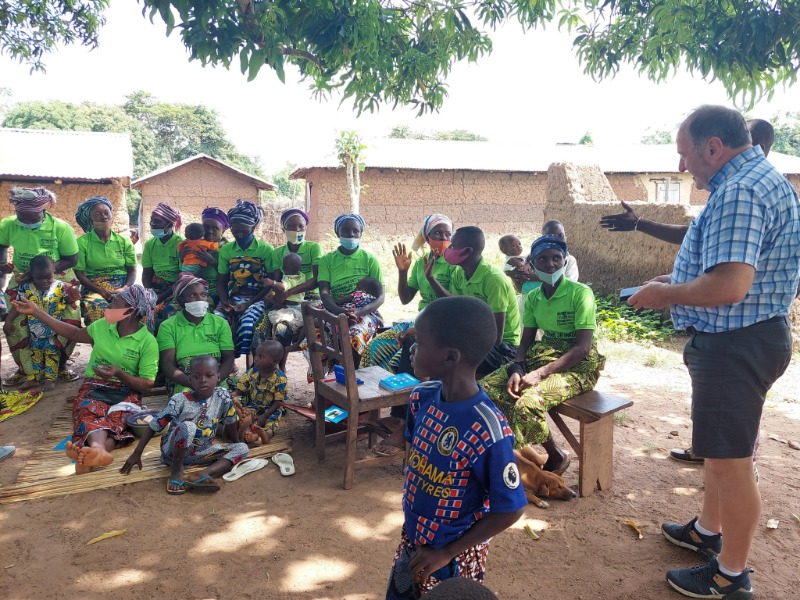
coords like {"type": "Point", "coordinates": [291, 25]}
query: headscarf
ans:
{"type": "Point", "coordinates": [428, 224]}
{"type": "Point", "coordinates": [218, 215]}
{"type": "Point", "coordinates": [169, 214]}
{"type": "Point", "coordinates": [184, 281]}
{"type": "Point", "coordinates": [246, 213]}
{"type": "Point", "coordinates": [143, 300]}
{"type": "Point", "coordinates": [342, 218]}
{"type": "Point", "coordinates": [31, 200]}
{"type": "Point", "coordinates": [82, 215]}
{"type": "Point", "coordinates": [287, 214]}
{"type": "Point", "coordinates": [547, 242]}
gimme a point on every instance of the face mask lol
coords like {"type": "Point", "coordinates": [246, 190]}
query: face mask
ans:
{"type": "Point", "coordinates": [549, 278]}
{"type": "Point", "coordinates": [245, 242]}
{"type": "Point", "coordinates": [31, 225]}
{"type": "Point", "coordinates": [157, 233]}
{"type": "Point", "coordinates": [196, 309]}
{"type": "Point", "coordinates": [115, 315]}
{"type": "Point", "coordinates": [439, 247]}
{"type": "Point", "coordinates": [349, 243]}
{"type": "Point", "coordinates": [294, 237]}
{"type": "Point", "coordinates": [456, 257]}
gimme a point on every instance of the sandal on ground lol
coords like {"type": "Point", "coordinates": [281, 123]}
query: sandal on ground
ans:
{"type": "Point", "coordinates": [6, 452]}
{"type": "Point", "coordinates": [205, 484]}
{"type": "Point", "coordinates": [564, 466]}
{"type": "Point", "coordinates": [388, 448]}
{"type": "Point", "coordinates": [244, 467]}
{"type": "Point", "coordinates": [15, 380]}
{"type": "Point", "coordinates": [181, 487]}
{"type": "Point", "coordinates": [685, 455]}
{"type": "Point", "coordinates": [377, 428]}
{"type": "Point", "coordinates": [285, 463]}
{"type": "Point", "coordinates": [68, 375]}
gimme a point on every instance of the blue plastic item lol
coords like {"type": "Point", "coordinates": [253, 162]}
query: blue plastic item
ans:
{"type": "Point", "coordinates": [338, 371]}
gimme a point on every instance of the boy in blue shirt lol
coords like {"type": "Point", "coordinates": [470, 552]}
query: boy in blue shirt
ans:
{"type": "Point", "coordinates": [462, 483]}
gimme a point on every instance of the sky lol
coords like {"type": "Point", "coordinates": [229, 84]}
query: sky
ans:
{"type": "Point", "coordinates": [530, 90]}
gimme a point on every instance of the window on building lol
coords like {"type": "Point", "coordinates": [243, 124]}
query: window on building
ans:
{"type": "Point", "coordinates": [668, 190]}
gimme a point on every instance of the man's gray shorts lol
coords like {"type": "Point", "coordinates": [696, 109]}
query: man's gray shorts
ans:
{"type": "Point", "coordinates": [731, 373]}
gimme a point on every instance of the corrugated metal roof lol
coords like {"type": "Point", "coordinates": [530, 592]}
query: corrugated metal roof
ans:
{"type": "Point", "coordinates": [256, 181]}
{"type": "Point", "coordinates": [52, 153]}
{"type": "Point", "coordinates": [490, 156]}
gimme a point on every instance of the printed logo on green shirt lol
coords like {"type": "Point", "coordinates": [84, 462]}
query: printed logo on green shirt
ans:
{"type": "Point", "coordinates": [565, 318]}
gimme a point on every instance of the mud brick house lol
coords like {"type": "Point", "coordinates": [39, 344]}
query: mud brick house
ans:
{"type": "Point", "coordinates": [75, 165]}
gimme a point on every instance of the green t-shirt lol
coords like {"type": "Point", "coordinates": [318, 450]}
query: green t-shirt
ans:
{"type": "Point", "coordinates": [570, 308]}
{"type": "Point", "coordinates": [311, 252]}
{"type": "Point", "coordinates": [163, 257]}
{"type": "Point", "coordinates": [344, 271]}
{"type": "Point", "coordinates": [245, 268]}
{"type": "Point", "coordinates": [211, 336]}
{"type": "Point", "coordinates": [136, 354]}
{"type": "Point", "coordinates": [210, 272]}
{"type": "Point", "coordinates": [105, 259]}
{"type": "Point", "coordinates": [442, 272]}
{"type": "Point", "coordinates": [55, 238]}
{"type": "Point", "coordinates": [493, 287]}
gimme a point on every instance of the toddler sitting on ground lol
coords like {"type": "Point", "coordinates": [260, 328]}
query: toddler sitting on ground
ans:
{"type": "Point", "coordinates": [193, 247]}
{"type": "Point", "coordinates": [259, 394]}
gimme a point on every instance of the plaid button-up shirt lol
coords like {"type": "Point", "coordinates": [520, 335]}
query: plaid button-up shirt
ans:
{"type": "Point", "coordinates": [753, 217]}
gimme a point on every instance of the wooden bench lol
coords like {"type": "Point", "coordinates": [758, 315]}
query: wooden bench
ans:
{"type": "Point", "coordinates": [595, 450]}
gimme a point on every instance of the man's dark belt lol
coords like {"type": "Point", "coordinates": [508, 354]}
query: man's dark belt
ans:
{"type": "Point", "coordinates": [776, 319]}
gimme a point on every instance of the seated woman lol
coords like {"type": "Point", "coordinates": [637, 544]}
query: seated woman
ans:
{"type": "Point", "coordinates": [192, 332]}
{"type": "Point", "coordinates": [242, 280]}
{"type": "Point", "coordinates": [106, 260]}
{"type": "Point", "coordinates": [339, 274]}
{"type": "Point", "coordinates": [385, 349]}
{"type": "Point", "coordinates": [123, 364]}
{"type": "Point", "coordinates": [160, 262]}
{"type": "Point", "coordinates": [564, 364]}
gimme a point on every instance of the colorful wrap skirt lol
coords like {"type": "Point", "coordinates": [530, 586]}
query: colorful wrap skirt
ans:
{"type": "Point", "coordinates": [93, 305]}
{"type": "Point", "coordinates": [90, 411]}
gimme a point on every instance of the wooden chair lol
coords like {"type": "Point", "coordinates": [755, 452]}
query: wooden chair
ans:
{"type": "Point", "coordinates": [334, 343]}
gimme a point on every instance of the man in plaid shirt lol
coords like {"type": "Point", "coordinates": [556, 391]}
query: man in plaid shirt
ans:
{"type": "Point", "coordinates": [733, 281]}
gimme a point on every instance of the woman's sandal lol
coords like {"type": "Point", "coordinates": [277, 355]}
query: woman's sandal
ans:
{"type": "Point", "coordinates": [68, 375]}
{"type": "Point", "coordinates": [181, 487]}
{"type": "Point", "coordinates": [205, 484]}
{"type": "Point", "coordinates": [15, 380]}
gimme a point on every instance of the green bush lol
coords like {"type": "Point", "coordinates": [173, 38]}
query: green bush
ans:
{"type": "Point", "coordinates": [619, 322]}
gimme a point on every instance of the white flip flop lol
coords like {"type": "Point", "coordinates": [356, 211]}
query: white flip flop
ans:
{"type": "Point", "coordinates": [7, 452]}
{"type": "Point", "coordinates": [285, 462]}
{"type": "Point", "coordinates": [248, 465]}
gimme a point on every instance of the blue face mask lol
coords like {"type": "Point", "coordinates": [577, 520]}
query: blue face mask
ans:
{"type": "Point", "coordinates": [31, 225]}
{"type": "Point", "coordinates": [549, 278]}
{"type": "Point", "coordinates": [349, 243]}
{"type": "Point", "coordinates": [245, 242]}
{"type": "Point", "coordinates": [157, 233]}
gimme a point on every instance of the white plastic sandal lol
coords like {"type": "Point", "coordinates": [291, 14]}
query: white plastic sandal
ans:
{"type": "Point", "coordinates": [285, 463]}
{"type": "Point", "coordinates": [6, 452]}
{"type": "Point", "coordinates": [248, 465]}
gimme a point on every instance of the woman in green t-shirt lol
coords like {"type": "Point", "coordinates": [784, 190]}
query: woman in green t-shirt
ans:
{"type": "Point", "coordinates": [160, 262]}
{"type": "Point", "coordinates": [563, 364]}
{"type": "Point", "coordinates": [30, 232]}
{"type": "Point", "coordinates": [106, 260]}
{"type": "Point", "coordinates": [192, 332]}
{"type": "Point", "coordinates": [339, 273]}
{"type": "Point", "coordinates": [123, 365]}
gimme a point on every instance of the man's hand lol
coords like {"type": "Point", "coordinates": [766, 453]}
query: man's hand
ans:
{"type": "Point", "coordinates": [425, 562]}
{"type": "Point", "coordinates": [625, 221]}
{"type": "Point", "coordinates": [651, 295]}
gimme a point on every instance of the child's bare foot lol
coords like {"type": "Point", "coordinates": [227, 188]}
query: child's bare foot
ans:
{"type": "Point", "coordinates": [250, 437]}
{"type": "Point", "coordinates": [91, 456]}
{"type": "Point", "coordinates": [265, 435]}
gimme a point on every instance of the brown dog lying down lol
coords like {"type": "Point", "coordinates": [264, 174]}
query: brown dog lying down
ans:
{"type": "Point", "coordinates": [537, 482]}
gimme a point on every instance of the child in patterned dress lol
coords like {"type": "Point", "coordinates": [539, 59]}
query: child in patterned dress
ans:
{"type": "Point", "coordinates": [259, 394]}
{"type": "Point", "coordinates": [193, 417]}
{"type": "Point", "coordinates": [57, 299]}
{"type": "Point", "coordinates": [462, 484]}
{"type": "Point", "coordinates": [367, 289]}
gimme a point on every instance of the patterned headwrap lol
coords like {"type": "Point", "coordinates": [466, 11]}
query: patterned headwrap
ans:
{"type": "Point", "coordinates": [287, 214]}
{"type": "Point", "coordinates": [82, 215]}
{"type": "Point", "coordinates": [169, 214]}
{"type": "Point", "coordinates": [342, 218]}
{"type": "Point", "coordinates": [547, 242]}
{"type": "Point", "coordinates": [428, 224]}
{"type": "Point", "coordinates": [218, 215]}
{"type": "Point", "coordinates": [143, 300]}
{"type": "Point", "coordinates": [31, 200]}
{"type": "Point", "coordinates": [245, 212]}
{"type": "Point", "coordinates": [185, 280]}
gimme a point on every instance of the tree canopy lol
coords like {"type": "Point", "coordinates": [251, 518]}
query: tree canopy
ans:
{"type": "Point", "coordinates": [659, 136]}
{"type": "Point", "coordinates": [404, 132]}
{"type": "Point", "coordinates": [401, 51]}
{"type": "Point", "coordinates": [787, 133]}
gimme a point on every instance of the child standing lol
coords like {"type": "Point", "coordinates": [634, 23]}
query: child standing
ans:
{"type": "Point", "coordinates": [193, 247]}
{"type": "Point", "coordinates": [58, 300]}
{"type": "Point", "coordinates": [193, 417]}
{"type": "Point", "coordinates": [462, 484]}
{"type": "Point", "coordinates": [259, 394]}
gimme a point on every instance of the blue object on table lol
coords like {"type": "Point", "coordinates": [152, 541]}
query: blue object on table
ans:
{"type": "Point", "coordinates": [401, 381]}
{"type": "Point", "coordinates": [338, 371]}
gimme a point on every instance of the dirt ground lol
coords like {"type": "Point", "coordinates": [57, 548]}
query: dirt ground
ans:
{"type": "Point", "coordinates": [304, 537]}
